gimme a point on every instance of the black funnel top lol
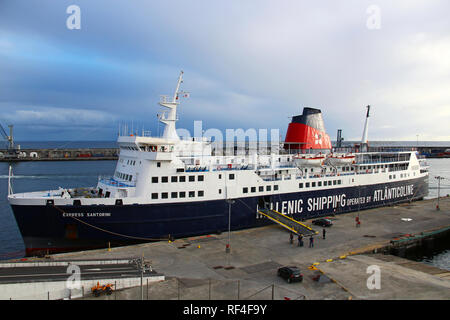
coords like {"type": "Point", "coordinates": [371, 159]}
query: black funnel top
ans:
{"type": "Point", "coordinates": [311, 117]}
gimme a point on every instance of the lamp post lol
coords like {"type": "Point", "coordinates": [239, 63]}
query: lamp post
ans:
{"type": "Point", "coordinates": [439, 178]}
{"type": "Point", "coordinates": [230, 202]}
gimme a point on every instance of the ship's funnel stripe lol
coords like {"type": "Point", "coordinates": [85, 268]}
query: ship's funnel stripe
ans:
{"type": "Point", "coordinates": [308, 130]}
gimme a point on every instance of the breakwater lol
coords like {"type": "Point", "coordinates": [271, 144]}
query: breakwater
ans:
{"type": "Point", "coordinates": [60, 154]}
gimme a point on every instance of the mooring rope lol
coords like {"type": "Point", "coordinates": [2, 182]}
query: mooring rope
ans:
{"type": "Point", "coordinates": [112, 232]}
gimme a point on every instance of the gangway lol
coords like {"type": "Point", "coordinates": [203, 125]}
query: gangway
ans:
{"type": "Point", "coordinates": [287, 222]}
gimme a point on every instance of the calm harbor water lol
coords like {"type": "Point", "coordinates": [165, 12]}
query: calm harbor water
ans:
{"type": "Point", "coordinates": [35, 176]}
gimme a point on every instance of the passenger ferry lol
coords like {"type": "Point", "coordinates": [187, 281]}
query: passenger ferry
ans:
{"type": "Point", "coordinates": [167, 187]}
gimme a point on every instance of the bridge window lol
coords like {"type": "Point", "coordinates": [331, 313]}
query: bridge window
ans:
{"type": "Point", "coordinates": [164, 179]}
{"type": "Point", "coordinates": [154, 179]}
{"type": "Point", "coordinates": [154, 196]}
{"type": "Point", "coordinates": [253, 189]}
{"type": "Point", "coordinates": [245, 190]}
{"type": "Point", "coordinates": [183, 194]}
{"type": "Point", "coordinates": [313, 184]}
{"type": "Point", "coordinates": [261, 189]}
{"type": "Point", "coordinates": [268, 188]}
{"type": "Point", "coordinates": [307, 184]}
{"type": "Point", "coordinates": [182, 179]}
{"type": "Point", "coordinates": [231, 176]}
{"type": "Point", "coordinates": [164, 195]}
{"type": "Point", "coordinates": [191, 194]}
{"type": "Point", "coordinates": [200, 178]}
{"type": "Point", "coordinates": [300, 185]}
{"type": "Point", "coordinates": [201, 193]}
{"type": "Point", "coordinates": [275, 187]}
{"type": "Point", "coordinates": [174, 179]}
{"type": "Point", "coordinates": [174, 195]}
{"type": "Point", "coordinates": [191, 178]}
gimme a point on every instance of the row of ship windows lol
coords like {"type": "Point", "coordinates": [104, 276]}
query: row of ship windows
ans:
{"type": "Point", "coordinates": [319, 183]}
{"type": "Point", "coordinates": [402, 175]}
{"type": "Point", "coordinates": [300, 185]}
{"type": "Point", "coordinates": [124, 176]}
{"type": "Point", "coordinates": [129, 162]}
{"type": "Point", "coordinates": [175, 195]}
{"type": "Point", "coordinates": [200, 178]}
{"type": "Point", "coordinates": [260, 189]}
{"type": "Point", "coordinates": [178, 179]}
{"type": "Point", "coordinates": [129, 148]}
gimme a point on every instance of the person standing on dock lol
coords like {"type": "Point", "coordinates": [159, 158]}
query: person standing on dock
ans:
{"type": "Point", "coordinates": [291, 238]}
{"type": "Point", "coordinates": [323, 233]}
{"type": "Point", "coordinates": [300, 240]}
{"type": "Point", "coordinates": [311, 242]}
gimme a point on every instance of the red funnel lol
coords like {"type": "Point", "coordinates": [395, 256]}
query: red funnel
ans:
{"type": "Point", "coordinates": [307, 131]}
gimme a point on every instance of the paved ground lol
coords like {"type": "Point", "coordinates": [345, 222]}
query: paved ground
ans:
{"type": "Point", "coordinates": [199, 268]}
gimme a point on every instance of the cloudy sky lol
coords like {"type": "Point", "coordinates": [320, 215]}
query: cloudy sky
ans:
{"type": "Point", "coordinates": [247, 64]}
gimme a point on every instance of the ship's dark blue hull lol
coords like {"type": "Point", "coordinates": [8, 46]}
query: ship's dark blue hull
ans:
{"type": "Point", "coordinates": [66, 228]}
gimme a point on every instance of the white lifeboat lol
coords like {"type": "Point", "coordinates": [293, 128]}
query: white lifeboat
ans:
{"type": "Point", "coordinates": [342, 159]}
{"type": "Point", "coordinates": [309, 160]}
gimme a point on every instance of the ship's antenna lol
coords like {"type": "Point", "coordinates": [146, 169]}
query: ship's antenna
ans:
{"type": "Point", "coordinates": [180, 80]}
{"type": "Point", "coordinates": [364, 140]}
{"type": "Point", "coordinates": [170, 119]}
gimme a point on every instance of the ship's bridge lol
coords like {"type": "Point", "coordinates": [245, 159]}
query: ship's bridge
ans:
{"type": "Point", "coordinates": [165, 149]}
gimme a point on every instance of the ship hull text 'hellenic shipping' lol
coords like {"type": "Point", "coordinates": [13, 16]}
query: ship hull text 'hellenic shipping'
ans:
{"type": "Point", "coordinates": [167, 187]}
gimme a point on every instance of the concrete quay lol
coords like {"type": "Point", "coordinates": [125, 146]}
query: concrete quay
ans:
{"type": "Point", "coordinates": [199, 267]}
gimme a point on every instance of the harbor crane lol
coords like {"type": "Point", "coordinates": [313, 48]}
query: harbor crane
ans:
{"type": "Point", "coordinates": [12, 150]}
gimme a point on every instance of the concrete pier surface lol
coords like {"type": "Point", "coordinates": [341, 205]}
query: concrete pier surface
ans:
{"type": "Point", "coordinates": [200, 268]}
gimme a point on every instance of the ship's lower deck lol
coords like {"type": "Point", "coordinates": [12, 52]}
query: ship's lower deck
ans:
{"type": "Point", "coordinates": [50, 228]}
